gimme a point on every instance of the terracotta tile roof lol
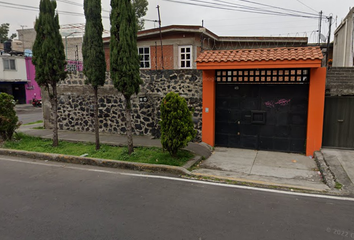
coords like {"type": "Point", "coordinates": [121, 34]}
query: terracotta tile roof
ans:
{"type": "Point", "coordinates": [260, 54]}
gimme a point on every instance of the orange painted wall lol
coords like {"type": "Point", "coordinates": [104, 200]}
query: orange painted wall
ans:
{"type": "Point", "coordinates": [208, 119]}
{"type": "Point", "coordinates": [315, 110]}
{"type": "Point", "coordinates": [315, 106]}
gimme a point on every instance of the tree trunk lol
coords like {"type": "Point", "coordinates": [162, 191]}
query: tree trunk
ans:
{"type": "Point", "coordinates": [55, 116]}
{"type": "Point", "coordinates": [129, 125]}
{"type": "Point", "coordinates": [97, 133]}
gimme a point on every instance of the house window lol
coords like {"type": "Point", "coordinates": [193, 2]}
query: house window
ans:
{"type": "Point", "coordinates": [144, 54]}
{"type": "Point", "coordinates": [9, 64]}
{"type": "Point", "coordinates": [185, 57]}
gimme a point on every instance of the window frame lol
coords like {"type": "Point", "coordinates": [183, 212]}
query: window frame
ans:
{"type": "Point", "coordinates": [9, 60]}
{"type": "Point", "coordinates": [144, 54]}
{"type": "Point", "coordinates": [185, 60]}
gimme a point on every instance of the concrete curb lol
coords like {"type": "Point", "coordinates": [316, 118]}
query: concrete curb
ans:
{"type": "Point", "coordinates": [327, 175]}
{"type": "Point", "coordinates": [339, 173]}
{"type": "Point", "coordinates": [97, 162]}
{"type": "Point", "coordinates": [258, 183]}
{"type": "Point", "coordinates": [192, 162]}
{"type": "Point", "coordinates": [182, 171]}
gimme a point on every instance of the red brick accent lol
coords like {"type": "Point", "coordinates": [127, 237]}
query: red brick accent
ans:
{"type": "Point", "coordinates": [167, 55]}
{"type": "Point", "coordinates": [156, 59]}
{"type": "Point", "coordinates": [107, 56]}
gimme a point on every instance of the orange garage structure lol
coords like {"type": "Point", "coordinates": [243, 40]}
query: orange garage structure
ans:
{"type": "Point", "coordinates": [264, 99]}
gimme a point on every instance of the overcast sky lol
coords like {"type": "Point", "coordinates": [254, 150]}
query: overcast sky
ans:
{"type": "Point", "coordinates": [220, 21]}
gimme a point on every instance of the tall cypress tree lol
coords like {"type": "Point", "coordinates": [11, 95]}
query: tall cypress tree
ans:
{"type": "Point", "coordinates": [48, 56]}
{"type": "Point", "coordinates": [93, 53]}
{"type": "Point", "coordinates": [124, 60]}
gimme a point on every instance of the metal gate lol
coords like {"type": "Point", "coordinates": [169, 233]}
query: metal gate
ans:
{"type": "Point", "coordinates": [262, 116]}
{"type": "Point", "coordinates": [338, 130]}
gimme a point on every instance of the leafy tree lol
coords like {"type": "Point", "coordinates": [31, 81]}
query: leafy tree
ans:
{"type": "Point", "coordinates": [8, 118]}
{"type": "Point", "coordinates": [49, 57]}
{"type": "Point", "coordinates": [140, 7]}
{"type": "Point", "coordinates": [124, 58]}
{"type": "Point", "coordinates": [13, 36]}
{"type": "Point", "coordinates": [4, 31]}
{"type": "Point", "coordinates": [93, 54]}
{"type": "Point", "coordinates": [177, 127]}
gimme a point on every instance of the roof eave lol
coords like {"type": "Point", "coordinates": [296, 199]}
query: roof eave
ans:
{"type": "Point", "coordinates": [312, 63]}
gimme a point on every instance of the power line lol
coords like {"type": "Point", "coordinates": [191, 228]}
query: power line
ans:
{"type": "Point", "coordinates": [18, 6]}
{"type": "Point", "coordinates": [70, 2]}
{"type": "Point", "coordinates": [276, 7]}
{"type": "Point", "coordinates": [77, 4]}
{"type": "Point", "coordinates": [32, 8]}
{"type": "Point", "coordinates": [244, 8]}
{"type": "Point", "coordinates": [256, 23]}
{"type": "Point", "coordinates": [307, 6]}
{"type": "Point", "coordinates": [36, 9]}
{"type": "Point", "coordinates": [257, 10]}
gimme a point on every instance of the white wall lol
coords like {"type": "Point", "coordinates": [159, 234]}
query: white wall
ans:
{"type": "Point", "coordinates": [343, 47]}
{"type": "Point", "coordinates": [10, 75]}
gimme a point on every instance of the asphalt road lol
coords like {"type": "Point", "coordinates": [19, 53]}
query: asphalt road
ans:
{"type": "Point", "coordinates": [29, 114]}
{"type": "Point", "coordinates": [45, 200]}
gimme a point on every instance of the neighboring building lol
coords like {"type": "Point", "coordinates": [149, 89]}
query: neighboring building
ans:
{"type": "Point", "coordinates": [181, 45]}
{"type": "Point", "coordinates": [17, 78]}
{"type": "Point", "coordinates": [73, 48]}
{"type": "Point", "coordinates": [72, 44]}
{"type": "Point", "coordinates": [33, 91]}
{"type": "Point", "coordinates": [343, 49]}
{"type": "Point", "coordinates": [27, 36]}
{"type": "Point", "coordinates": [13, 77]}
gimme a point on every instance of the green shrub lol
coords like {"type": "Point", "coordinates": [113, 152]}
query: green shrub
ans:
{"type": "Point", "coordinates": [176, 123]}
{"type": "Point", "coordinates": [8, 118]}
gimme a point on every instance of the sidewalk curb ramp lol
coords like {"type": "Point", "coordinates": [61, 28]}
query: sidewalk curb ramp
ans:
{"type": "Point", "coordinates": [326, 173]}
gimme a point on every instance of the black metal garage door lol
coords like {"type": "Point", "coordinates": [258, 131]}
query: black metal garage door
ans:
{"type": "Point", "coordinates": [262, 116]}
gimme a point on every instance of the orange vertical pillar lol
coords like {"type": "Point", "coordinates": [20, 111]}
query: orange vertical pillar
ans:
{"type": "Point", "coordinates": [315, 110]}
{"type": "Point", "coordinates": [208, 121]}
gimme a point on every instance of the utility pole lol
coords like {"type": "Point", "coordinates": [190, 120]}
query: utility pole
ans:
{"type": "Point", "coordinates": [329, 38]}
{"type": "Point", "coordinates": [155, 55]}
{"type": "Point", "coordinates": [202, 38]}
{"type": "Point", "coordinates": [319, 29]}
{"type": "Point", "coordinates": [158, 10]}
{"type": "Point", "coordinates": [77, 57]}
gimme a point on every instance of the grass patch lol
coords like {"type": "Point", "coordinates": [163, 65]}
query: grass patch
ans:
{"type": "Point", "coordinates": [152, 155]}
{"type": "Point", "coordinates": [338, 186]}
{"type": "Point", "coordinates": [31, 123]}
{"type": "Point", "coordinates": [38, 128]}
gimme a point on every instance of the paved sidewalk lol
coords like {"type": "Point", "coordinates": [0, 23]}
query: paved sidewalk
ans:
{"type": "Point", "coordinates": [263, 167]}
{"type": "Point", "coordinates": [248, 166]}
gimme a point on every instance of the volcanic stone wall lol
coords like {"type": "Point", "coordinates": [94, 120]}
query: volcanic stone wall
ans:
{"type": "Point", "coordinates": [340, 81]}
{"type": "Point", "coordinates": [76, 106]}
